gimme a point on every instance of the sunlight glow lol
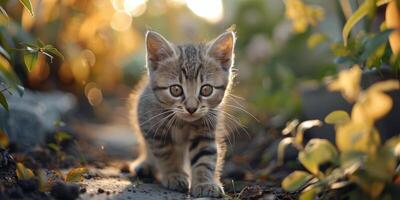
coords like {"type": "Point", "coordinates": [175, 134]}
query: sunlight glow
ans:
{"type": "Point", "coordinates": [121, 21]}
{"type": "Point", "coordinates": [118, 4]}
{"type": "Point", "coordinates": [176, 3]}
{"type": "Point", "coordinates": [135, 7]}
{"type": "Point", "coordinates": [211, 10]}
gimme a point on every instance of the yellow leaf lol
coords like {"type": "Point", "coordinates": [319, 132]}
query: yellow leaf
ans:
{"type": "Point", "coordinates": [309, 193]}
{"type": "Point", "coordinates": [76, 174]}
{"type": "Point", "coordinates": [371, 107]}
{"type": "Point", "coordinates": [303, 15]}
{"type": "Point", "coordinates": [337, 117]}
{"type": "Point", "coordinates": [3, 139]}
{"type": "Point", "coordinates": [315, 39]}
{"type": "Point", "coordinates": [24, 173]}
{"type": "Point", "coordinates": [382, 166]}
{"type": "Point", "coordinates": [281, 149]}
{"type": "Point", "coordinates": [44, 184]}
{"type": "Point", "coordinates": [303, 127]}
{"type": "Point", "coordinates": [393, 144]}
{"type": "Point", "coordinates": [348, 83]}
{"type": "Point", "coordinates": [393, 22]}
{"type": "Point", "coordinates": [290, 127]}
{"type": "Point", "coordinates": [357, 137]}
{"type": "Point", "coordinates": [317, 152]}
{"type": "Point", "coordinates": [371, 187]}
{"type": "Point", "coordinates": [361, 12]}
{"type": "Point", "coordinates": [296, 180]}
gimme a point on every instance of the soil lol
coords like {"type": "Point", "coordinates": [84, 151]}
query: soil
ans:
{"type": "Point", "coordinates": [249, 173]}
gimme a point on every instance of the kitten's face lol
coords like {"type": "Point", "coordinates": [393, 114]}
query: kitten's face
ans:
{"type": "Point", "coordinates": [191, 79]}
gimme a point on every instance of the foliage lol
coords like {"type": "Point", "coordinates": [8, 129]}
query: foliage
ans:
{"type": "Point", "coordinates": [24, 173]}
{"type": "Point", "coordinates": [359, 157]}
{"type": "Point", "coordinates": [59, 137]}
{"type": "Point", "coordinates": [3, 140]}
{"type": "Point", "coordinates": [303, 15]}
{"type": "Point", "coordinates": [76, 174]}
{"type": "Point", "coordinates": [31, 52]}
{"type": "Point", "coordinates": [370, 47]}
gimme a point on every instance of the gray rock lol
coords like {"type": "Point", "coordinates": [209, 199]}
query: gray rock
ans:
{"type": "Point", "coordinates": [33, 115]}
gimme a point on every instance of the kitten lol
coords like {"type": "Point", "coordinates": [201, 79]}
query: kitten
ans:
{"type": "Point", "coordinates": [177, 113]}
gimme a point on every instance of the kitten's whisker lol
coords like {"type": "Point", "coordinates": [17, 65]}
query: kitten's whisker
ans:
{"type": "Point", "coordinates": [245, 111]}
{"type": "Point", "coordinates": [230, 129]}
{"type": "Point", "coordinates": [154, 111]}
{"type": "Point", "coordinates": [234, 101]}
{"type": "Point", "coordinates": [160, 122]}
{"type": "Point", "coordinates": [141, 124]}
{"type": "Point", "coordinates": [171, 121]}
{"type": "Point", "coordinates": [233, 119]}
{"type": "Point", "coordinates": [237, 97]}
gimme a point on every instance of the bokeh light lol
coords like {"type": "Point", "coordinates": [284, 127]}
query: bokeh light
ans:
{"type": "Point", "coordinates": [121, 21]}
{"type": "Point", "coordinates": [135, 7]}
{"type": "Point", "coordinates": [93, 94]}
{"type": "Point", "coordinates": [211, 10]}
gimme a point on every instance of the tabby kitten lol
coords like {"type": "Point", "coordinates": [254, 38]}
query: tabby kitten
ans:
{"type": "Point", "coordinates": [176, 112]}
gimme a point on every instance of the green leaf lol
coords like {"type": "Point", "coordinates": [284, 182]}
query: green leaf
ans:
{"type": "Point", "coordinates": [62, 136]}
{"type": "Point", "coordinates": [3, 101]}
{"type": "Point", "coordinates": [353, 20]}
{"type": "Point", "coordinates": [24, 173]}
{"type": "Point", "coordinates": [361, 12]}
{"type": "Point", "coordinates": [28, 5]}
{"type": "Point", "coordinates": [40, 43]}
{"type": "Point", "coordinates": [53, 147]}
{"type": "Point", "coordinates": [375, 42]}
{"type": "Point", "coordinates": [30, 60]}
{"type": "Point", "coordinates": [4, 52]}
{"type": "Point", "coordinates": [296, 180]}
{"type": "Point", "coordinates": [317, 152]}
{"type": "Point", "coordinates": [53, 51]}
{"type": "Point", "coordinates": [4, 141]}
{"type": "Point", "coordinates": [76, 174]}
{"type": "Point", "coordinates": [8, 76]}
{"type": "Point", "coordinates": [337, 117]}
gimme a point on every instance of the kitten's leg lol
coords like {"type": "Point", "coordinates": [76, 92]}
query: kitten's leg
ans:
{"type": "Point", "coordinates": [170, 161]}
{"type": "Point", "coordinates": [203, 159]}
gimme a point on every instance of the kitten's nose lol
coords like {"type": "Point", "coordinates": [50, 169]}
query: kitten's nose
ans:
{"type": "Point", "coordinates": [191, 110]}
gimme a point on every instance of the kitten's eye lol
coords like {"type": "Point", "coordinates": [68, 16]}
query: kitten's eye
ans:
{"type": "Point", "coordinates": [206, 90]}
{"type": "Point", "coordinates": [175, 90]}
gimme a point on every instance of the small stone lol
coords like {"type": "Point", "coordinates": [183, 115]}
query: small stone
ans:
{"type": "Point", "coordinates": [100, 191]}
{"type": "Point", "coordinates": [63, 191]}
{"type": "Point", "coordinates": [83, 190]}
{"type": "Point", "coordinates": [251, 192]}
{"type": "Point", "coordinates": [29, 185]}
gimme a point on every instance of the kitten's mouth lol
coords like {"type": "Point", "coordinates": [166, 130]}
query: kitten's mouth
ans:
{"type": "Point", "coordinates": [189, 117]}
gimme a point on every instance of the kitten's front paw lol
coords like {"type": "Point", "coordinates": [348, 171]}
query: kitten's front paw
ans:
{"type": "Point", "coordinates": [207, 190]}
{"type": "Point", "coordinates": [177, 182]}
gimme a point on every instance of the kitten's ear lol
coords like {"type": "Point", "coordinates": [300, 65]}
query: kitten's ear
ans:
{"type": "Point", "coordinates": [221, 49]}
{"type": "Point", "coordinates": [158, 48]}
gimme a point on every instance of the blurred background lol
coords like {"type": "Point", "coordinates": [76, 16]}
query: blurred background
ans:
{"type": "Point", "coordinates": [76, 62]}
{"type": "Point", "coordinates": [102, 42]}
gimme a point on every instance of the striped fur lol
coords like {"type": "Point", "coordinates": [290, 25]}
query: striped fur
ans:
{"type": "Point", "coordinates": [182, 137]}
